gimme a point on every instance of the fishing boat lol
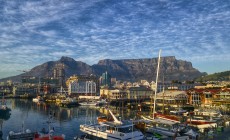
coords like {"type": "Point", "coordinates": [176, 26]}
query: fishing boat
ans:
{"type": "Point", "coordinates": [117, 129]}
{"type": "Point", "coordinates": [29, 135]}
{"type": "Point", "coordinates": [49, 135]}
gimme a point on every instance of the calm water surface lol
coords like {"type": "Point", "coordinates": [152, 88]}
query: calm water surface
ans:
{"type": "Point", "coordinates": [34, 116]}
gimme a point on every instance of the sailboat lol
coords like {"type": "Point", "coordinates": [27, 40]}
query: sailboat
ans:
{"type": "Point", "coordinates": [38, 98]}
{"type": "Point", "coordinates": [159, 124]}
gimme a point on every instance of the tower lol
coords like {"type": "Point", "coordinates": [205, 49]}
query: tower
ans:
{"type": "Point", "coordinates": [59, 73]}
{"type": "Point", "coordinates": [106, 79]}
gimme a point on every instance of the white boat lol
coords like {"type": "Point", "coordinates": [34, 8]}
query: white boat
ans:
{"type": "Point", "coordinates": [102, 102]}
{"type": "Point", "coordinates": [180, 111]}
{"type": "Point", "coordinates": [38, 99]}
{"type": "Point", "coordinates": [167, 131]}
{"type": "Point", "coordinates": [122, 130]}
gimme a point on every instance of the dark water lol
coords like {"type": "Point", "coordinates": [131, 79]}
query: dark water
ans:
{"type": "Point", "coordinates": [34, 116]}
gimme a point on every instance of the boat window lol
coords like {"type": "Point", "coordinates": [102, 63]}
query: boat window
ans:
{"type": "Point", "coordinates": [127, 129]}
{"type": "Point", "coordinates": [110, 128]}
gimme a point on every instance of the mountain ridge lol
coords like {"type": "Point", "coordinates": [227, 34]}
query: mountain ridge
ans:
{"type": "Point", "coordinates": [121, 69]}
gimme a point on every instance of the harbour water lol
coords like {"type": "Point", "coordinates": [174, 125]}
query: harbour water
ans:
{"type": "Point", "coordinates": [34, 116]}
{"type": "Point", "coordinates": [29, 115]}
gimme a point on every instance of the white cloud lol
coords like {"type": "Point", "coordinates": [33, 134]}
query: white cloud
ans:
{"type": "Point", "coordinates": [33, 32]}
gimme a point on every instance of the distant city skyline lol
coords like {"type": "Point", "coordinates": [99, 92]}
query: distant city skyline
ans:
{"type": "Point", "coordinates": [34, 32]}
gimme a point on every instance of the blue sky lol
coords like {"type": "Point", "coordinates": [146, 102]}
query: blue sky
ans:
{"type": "Point", "coordinates": [36, 31]}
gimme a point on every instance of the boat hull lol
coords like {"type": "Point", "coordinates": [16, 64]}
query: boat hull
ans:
{"type": "Point", "coordinates": [96, 131]}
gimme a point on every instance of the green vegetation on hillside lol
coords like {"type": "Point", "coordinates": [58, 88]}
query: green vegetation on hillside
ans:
{"type": "Point", "coordinates": [221, 76]}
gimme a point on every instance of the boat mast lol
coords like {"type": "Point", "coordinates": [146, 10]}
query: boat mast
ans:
{"type": "Point", "coordinates": [155, 95]}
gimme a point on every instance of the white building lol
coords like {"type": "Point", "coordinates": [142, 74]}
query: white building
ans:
{"type": "Point", "coordinates": [82, 88]}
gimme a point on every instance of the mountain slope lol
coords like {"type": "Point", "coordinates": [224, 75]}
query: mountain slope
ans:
{"type": "Point", "coordinates": [125, 69]}
{"type": "Point", "coordinates": [137, 69]}
{"type": "Point", "coordinates": [220, 76]}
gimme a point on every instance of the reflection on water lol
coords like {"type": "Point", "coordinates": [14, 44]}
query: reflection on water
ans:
{"type": "Point", "coordinates": [66, 121]}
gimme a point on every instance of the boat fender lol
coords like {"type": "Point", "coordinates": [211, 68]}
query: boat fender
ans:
{"type": "Point", "coordinates": [63, 136]}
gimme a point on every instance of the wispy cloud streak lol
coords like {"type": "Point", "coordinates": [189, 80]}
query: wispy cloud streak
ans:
{"type": "Point", "coordinates": [33, 32]}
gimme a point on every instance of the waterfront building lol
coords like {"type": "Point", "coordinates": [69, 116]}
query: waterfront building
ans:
{"type": "Point", "coordinates": [139, 93]}
{"type": "Point", "coordinates": [5, 89]}
{"type": "Point", "coordinates": [222, 98]}
{"type": "Point", "coordinates": [20, 90]}
{"type": "Point", "coordinates": [172, 97]}
{"type": "Point", "coordinates": [113, 94]}
{"type": "Point", "coordinates": [201, 96]}
{"type": "Point", "coordinates": [82, 85]}
{"type": "Point", "coordinates": [133, 93]}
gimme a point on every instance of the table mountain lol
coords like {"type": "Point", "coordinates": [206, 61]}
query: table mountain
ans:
{"type": "Point", "coordinates": [124, 69]}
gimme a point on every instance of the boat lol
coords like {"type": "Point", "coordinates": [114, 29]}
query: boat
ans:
{"type": "Point", "coordinates": [29, 135]}
{"type": "Point", "coordinates": [117, 129]}
{"type": "Point", "coordinates": [197, 121]}
{"type": "Point", "coordinates": [49, 135]}
{"type": "Point", "coordinates": [102, 102]}
{"type": "Point", "coordinates": [102, 119]}
{"type": "Point", "coordinates": [23, 135]}
{"type": "Point", "coordinates": [173, 130]}
{"type": "Point", "coordinates": [38, 99]}
{"type": "Point", "coordinates": [171, 118]}
{"type": "Point", "coordinates": [180, 112]}
{"type": "Point", "coordinates": [34, 135]}
{"type": "Point", "coordinates": [164, 124]}
{"type": "Point", "coordinates": [68, 102]}
{"type": "Point", "coordinates": [88, 103]}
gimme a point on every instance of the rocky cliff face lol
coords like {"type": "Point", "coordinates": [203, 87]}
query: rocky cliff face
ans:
{"type": "Point", "coordinates": [137, 69]}
{"type": "Point", "coordinates": [126, 69]}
